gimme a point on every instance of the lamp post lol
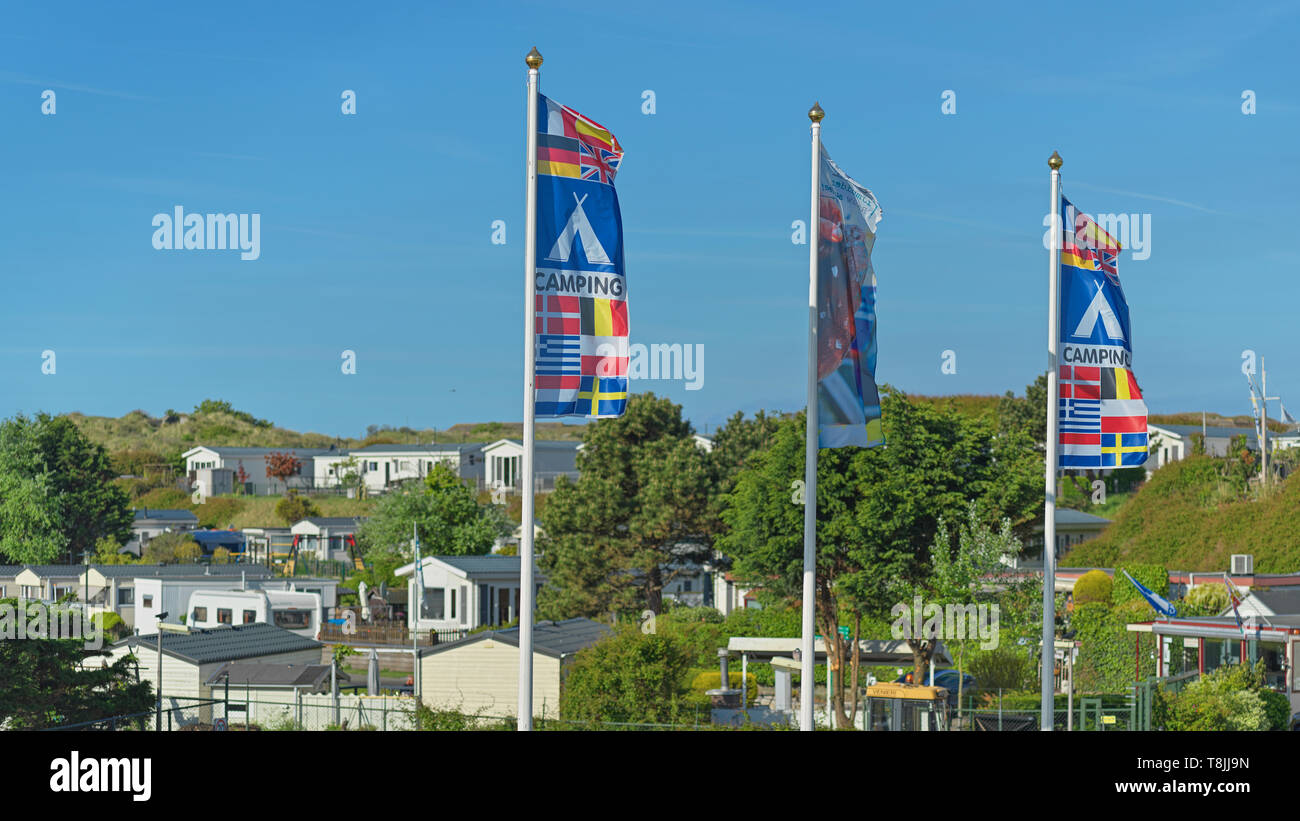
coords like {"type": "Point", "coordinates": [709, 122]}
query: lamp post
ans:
{"type": "Point", "coordinates": [158, 710]}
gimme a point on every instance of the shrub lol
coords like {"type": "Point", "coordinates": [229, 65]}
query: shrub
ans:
{"type": "Point", "coordinates": [218, 512]}
{"type": "Point", "coordinates": [1093, 587]}
{"type": "Point", "coordinates": [172, 548]}
{"type": "Point", "coordinates": [710, 680]}
{"type": "Point", "coordinates": [294, 508]}
{"type": "Point", "coordinates": [1233, 697]}
{"type": "Point", "coordinates": [628, 677]}
{"type": "Point", "coordinates": [1003, 668]}
{"type": "Point", "coordinates": [1106, 654]}
{"type": "Point", "coordinates": [112, 625]}
{"type": "Point", "coordinates": [1205, 600]}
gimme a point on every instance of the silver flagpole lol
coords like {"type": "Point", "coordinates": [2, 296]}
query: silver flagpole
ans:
{"type": "Point", "coordinates": [1053, 418]}
{"type": "Point", "coordinates": [525, 711]}
{"type": "Point", "coordinates": [807, 686]}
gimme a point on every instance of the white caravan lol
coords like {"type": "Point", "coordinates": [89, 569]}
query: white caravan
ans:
{"type": "Point", "coordinates": [297, 612]}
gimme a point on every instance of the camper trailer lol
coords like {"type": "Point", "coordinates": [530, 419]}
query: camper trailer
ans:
{"type": "Point", "coordinates": [297, 612]}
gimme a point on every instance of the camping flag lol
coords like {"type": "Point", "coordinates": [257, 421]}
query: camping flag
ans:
{"type": "Point", "coordinates": [1160, 603]}
{"type": "Point", "coordinates": [581, 321]}
{"type": "Point", "coordinates": [848, 404]}
{"type": "Point", "coordinates": [1103, 420]}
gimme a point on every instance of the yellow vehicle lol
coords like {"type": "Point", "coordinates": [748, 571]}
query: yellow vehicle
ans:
{"type": "Point", "coordinates": [907, 707]}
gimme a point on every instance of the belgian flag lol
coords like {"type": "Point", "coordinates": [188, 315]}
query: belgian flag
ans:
{"type": "Point", "coordinates": [1119, 383]}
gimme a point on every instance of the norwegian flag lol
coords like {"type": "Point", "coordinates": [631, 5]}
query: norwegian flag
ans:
{"type": "Point", "coordinates": [597, 163]}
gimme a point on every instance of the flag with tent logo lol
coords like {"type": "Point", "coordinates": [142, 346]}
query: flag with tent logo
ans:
{"type": "Point", "coordinates": [1102, 416]}
{"type": "Point", "coordinates": [580, 301]}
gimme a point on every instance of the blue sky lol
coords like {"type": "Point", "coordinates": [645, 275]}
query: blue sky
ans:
{"type": "Point", "coordinates": [376, 228]}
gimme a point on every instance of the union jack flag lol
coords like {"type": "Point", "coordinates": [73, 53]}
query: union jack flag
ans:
{"type": "Point", "coordinates": [597, 163]}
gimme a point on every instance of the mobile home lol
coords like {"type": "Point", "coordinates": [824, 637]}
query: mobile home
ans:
{"type": "Point", "coordinates": [296, 612]}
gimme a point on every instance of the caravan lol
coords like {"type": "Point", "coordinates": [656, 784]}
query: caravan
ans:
{"type": "Point", "coordinates": [294, 611]}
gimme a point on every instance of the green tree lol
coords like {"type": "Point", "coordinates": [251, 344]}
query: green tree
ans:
{"type": "Point", "coordinates": [958, 576]}
{"type": "Point", "coordinates": [57, 496]}
{"type": "Point", "coordinates": [878, 509]}
{"type": "Point", "coordinates": [451, 522]}
{"type": "Point", "coordinates": [108, 551]}
{"type": "Point", "coordinates": [46, 684]}
{"type": "Point", "coordinates": [638, 516]}
{"type": "Point", "coordinates": [1028, 413]}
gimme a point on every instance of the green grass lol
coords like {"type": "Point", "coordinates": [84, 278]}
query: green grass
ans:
{"type": "Point", "coordinates": [1188, 518]}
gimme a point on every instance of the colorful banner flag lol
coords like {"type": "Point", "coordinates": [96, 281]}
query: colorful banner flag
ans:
{"type": "Point", "coordinates": [581, 318]}
{"type": "Point", "coordinates": [1103, 420]}
{"type": "Point", "coordinates": [1160, 603]}
{"type": "Point", "coordinates": [848, 404]}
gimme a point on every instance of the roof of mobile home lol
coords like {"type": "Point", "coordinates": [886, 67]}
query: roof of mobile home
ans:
{"type": "Point", "coordinates": [550, 638]}
{"type": "Point", "coordinates": [224, 643]}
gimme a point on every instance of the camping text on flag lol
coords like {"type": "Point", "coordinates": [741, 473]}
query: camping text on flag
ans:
{"type": "Point", "coordinates": [581, 319]}
{"type": "Point", "coordinates": [1102, 416]}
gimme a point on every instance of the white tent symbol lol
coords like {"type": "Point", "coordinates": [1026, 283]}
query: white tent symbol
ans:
{"type": "Point", "coordinates": [581, 226]}
{"type": "Point", "coordinates": [1099, 307]}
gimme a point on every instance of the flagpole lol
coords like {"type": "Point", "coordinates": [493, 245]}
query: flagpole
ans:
{"type": "Point", "coordinates": [1053, 414]}
{"type": "Point", "coordinates": [807, 648]}
{"type": "Point", "coordinates": [525, 707]}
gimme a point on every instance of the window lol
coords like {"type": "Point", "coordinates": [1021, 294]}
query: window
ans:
{"type": "Point", "coordinates": [293, 619]}
{"type": "Point", "coordinates": [125, 595]}
{"type": "Point", "coordinates": [223, 615]}
{"type": "Point", "coordinates": [200, 614]}
{"type": "Point", "coordinates": [433, 603]}
{"type": "Point", "coordinates": [374, 466]}
{"type": "Point", "coordinates": [2, 591]}
{"type": "Point", "coordinates": [148, 601]}
{"type": "Point", "coordinates": [250, 616]}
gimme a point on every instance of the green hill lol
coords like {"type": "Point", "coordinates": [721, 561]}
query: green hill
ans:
{"type": "Point", "coordinates": [1213, 420]}
{"type": "Point", "coordinates": [1189, 517]}
{"type": "Point", "coordinates": [138, 439]}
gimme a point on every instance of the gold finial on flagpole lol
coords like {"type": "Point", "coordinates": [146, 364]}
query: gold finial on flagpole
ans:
{"type": "Point", "coordinates": [1055, 161]}
{"type": "Point", "coordinates": [815, 113]}
{"type": "Point", "coordinates": [534, 58]}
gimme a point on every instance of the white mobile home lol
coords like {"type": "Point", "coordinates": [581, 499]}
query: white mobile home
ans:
{"type": "Point", "coordinates": [298, 613]}
{"type": "Point", "coordinates": [465, 592]}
